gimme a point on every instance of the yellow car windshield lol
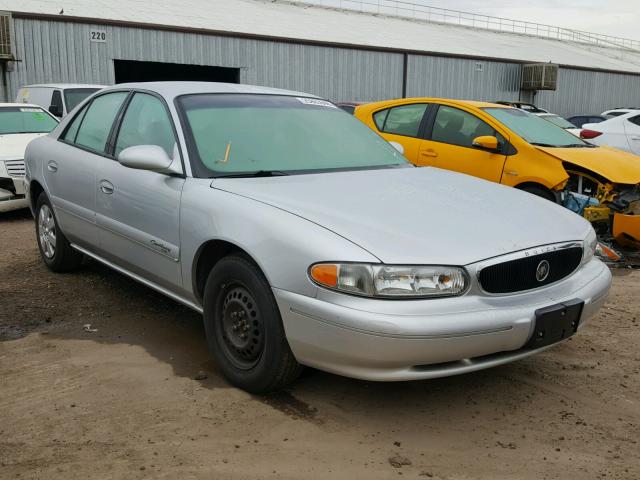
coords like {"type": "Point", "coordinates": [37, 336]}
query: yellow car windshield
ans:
{"type": "Point", "coordinates": [534, 129]}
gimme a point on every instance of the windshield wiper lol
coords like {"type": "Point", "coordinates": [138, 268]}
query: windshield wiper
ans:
{"type": "Point", "coordinates": [544, 145]}
{"type": "Point", "coordinates": [255, 174]}
{"type": "Point", "coordinates": [579, 145]}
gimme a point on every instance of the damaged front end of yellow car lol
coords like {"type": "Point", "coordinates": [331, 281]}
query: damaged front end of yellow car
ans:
{"type": "Point", "coordinates": [613, 209]}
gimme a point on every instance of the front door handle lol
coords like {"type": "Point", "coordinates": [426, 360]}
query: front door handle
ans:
{"type": "Point", "coordinates": [429, 153]}
{"type": "Point", "coordinates": [106, 187]}
{"type": "Point", "coordinates": [635, 137]}
{"type": "Point", "coordinates": [52, 166]}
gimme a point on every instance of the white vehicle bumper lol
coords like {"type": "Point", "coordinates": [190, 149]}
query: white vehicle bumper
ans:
{"type": "Point", "coordinates": [390, 340]}
{"type": "Point", "coordinates": [13, 201]}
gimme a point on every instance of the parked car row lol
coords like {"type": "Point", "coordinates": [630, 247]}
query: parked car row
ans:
{"type": "Point", "coordinates": [305, 238]}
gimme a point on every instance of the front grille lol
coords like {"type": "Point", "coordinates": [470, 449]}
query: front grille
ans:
{"type": "Point", "coordinates": [521, 274]}
{"type": "Point", "coordinates": [15, 168]}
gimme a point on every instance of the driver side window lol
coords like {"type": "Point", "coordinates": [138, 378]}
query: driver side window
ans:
{"type": "Point", "coordinates": [146, 122]}
{"type": "Point", "coordinates": [457, 127]}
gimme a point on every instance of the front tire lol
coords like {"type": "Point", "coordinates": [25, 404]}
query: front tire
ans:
{"type": "Point", "coordinates": [244, 328]}
{"type": "Point", "coordinates": [55, 250]}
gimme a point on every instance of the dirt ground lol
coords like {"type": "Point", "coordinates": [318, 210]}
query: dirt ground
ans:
{"type": "Point", "coordinates": [140, 398]}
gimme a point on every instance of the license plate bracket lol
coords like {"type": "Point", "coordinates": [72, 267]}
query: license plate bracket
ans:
{"type": "Point", "coordinates": [556, 323]}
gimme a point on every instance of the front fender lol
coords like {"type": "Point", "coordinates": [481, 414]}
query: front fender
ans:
{"type": "Point", "coordinates": [534, 166]}
{"type": "Point", "coordinates": [282, 244]}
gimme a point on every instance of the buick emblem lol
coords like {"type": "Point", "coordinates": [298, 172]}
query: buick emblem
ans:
{"type": "Point", "coordinates": [542, 272]}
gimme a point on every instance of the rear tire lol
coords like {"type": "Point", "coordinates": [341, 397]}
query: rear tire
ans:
{"type": "Point", "coordinates": [539, 191]}
{"type": "Point", "coordinates": [244, 328]}
{"type": "Point", "coordinates": [55, 250]}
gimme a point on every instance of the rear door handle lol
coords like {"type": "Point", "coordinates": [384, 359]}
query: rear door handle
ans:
{"type": "Point", "coordinates": [429, 153]}
{"type": "Point", "coordinates": [106, 187]}
{"type": "Point", "coordinates": [635, 137]}
{"type": "Point", "coordinates": [52, 166]}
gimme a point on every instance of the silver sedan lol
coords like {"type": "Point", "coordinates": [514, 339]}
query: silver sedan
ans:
{"type": "Point", "coordinates": [306, 239]}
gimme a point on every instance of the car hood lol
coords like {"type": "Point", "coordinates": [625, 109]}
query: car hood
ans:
{"type": "Point", "coordinates": [12, 146]}
{"type": "Point", "coordinates": [417, 215]}
{"type": "Point", "coordinates": [613, 164]}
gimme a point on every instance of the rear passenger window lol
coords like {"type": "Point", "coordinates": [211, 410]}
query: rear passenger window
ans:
{"type": "Point", "coordinates": [457, 127]}
{"type": "Point", "coordinates": [96, 125]}
{"type": "Point", "coordinates": [403, 120]}
{"type": "Point", "coordinates": [146, 122]}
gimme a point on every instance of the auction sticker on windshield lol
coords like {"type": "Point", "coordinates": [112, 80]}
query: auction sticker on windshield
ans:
{"type": "Point", "coordinates": [317, 102]}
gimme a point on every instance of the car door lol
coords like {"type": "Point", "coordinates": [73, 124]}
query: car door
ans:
{"type": "Point", "coordinates": [448, 144]}
{"type": "Point", "coordinates": [632, 129]}
{"type": "Point", "coordinates": [138, 210]}
{"type": "Point", "coordinates": [71, 165]}
{"type": "Point", "coordinates": [402, 124]}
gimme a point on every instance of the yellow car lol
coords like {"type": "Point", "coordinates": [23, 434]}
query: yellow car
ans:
{"type": "Point", "coordinates": [513, 147]}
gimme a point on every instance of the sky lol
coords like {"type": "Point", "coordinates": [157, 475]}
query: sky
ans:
{"type": "Point", "coordinates": [620, 18]}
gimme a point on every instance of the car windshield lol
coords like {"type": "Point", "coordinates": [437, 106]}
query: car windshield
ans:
{"type": "Point", "coordinates": [25, 120]}
{"type": "Point", "coordinates": [272, 134]}
{"type": "Point", "coordinates": [74, 96]}
{"type": "Point", "coordinates": [534, 129]}
{"type": "Point", "coordinates": [559, 121]}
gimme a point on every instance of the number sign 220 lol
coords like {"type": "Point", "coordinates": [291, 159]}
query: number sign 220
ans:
{"type": "Point", "coordinates": [98, 36]}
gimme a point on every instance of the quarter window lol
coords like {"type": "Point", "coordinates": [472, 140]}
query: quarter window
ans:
{"type": "Point", "coordinates": [96, 125]}
{"type": "Point", "coordinates": [457, 127]}
{"type": "Point", "coordinates": [72, 130]}
{"type": "Point", "coordinates": [403, 120]}
{"type": "Point", "coordinates": [635, 120]}
{"type": "Point", "coordinates": [146, 122]}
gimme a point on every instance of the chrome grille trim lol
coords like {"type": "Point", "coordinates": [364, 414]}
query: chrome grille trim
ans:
{"type": "Point", "coordinates": [15, 168]}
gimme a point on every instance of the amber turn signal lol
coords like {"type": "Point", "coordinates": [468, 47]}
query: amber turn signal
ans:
{"type": "Point", "coordinates": [325, 274]}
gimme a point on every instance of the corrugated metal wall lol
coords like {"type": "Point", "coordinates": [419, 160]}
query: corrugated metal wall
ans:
{"type": "Point", "coordinates": [62, 52]}
{"type": "Point", "coordinates": [462, 78]}
{"type": "Point", "coordinates": [581, 91]}
{"type": "Point", "coordinates": [51, 51]}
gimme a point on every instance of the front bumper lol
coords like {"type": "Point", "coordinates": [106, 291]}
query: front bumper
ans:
{"type": "Point", "coordinates": [15, 198]}
{"type": "Point", "coordinates": [389, 340]}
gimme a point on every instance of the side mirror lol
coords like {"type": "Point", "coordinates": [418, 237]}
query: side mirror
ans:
{"type": "Point", "coordinates": [149, 157]}
{"type": "Point", "coordinates": [398, 147]}
{"type": "Point", "coordinates": [55, 110]}
{"type": "Point", "coordinates": [488, 143]}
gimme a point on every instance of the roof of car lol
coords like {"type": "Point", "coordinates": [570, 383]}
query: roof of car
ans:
{"type": "Point", "coordinates": [174, 89]}
{"type": "Point", "coordinates": [404, 101]}
{"type": "Point", "coordinates": [22, 105]}
{"type": "Point", "coordinates": [62, 86]}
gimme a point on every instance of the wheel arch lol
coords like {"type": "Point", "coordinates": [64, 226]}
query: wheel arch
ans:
{"type": "Point", "coordinates": [208, 255]}
{"type": "Point", "coordinates": [35, 189]}
{"type": "Point", "coordinates": [524, 185]}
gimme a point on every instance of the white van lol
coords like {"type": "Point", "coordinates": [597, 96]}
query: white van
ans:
{"type": "Point", "coordinates": [58, 98]}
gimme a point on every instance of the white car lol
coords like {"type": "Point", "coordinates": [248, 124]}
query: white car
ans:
{"type": "Point", "coordinates": [616, 112]}
{"type": "Point", "coordinates": [58, 98]}
{"type": "Point", "coordinates": [19, 124]}
{"type": "Point", "coordinates": [621, 132]}
{"type": "Point", "coordinates": [560, 122]}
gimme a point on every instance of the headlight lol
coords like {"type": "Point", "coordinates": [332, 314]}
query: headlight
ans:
{"type": "Point", "coordinates": [589, 248]}
{"type": "Point", "coordinates": [389, 281]}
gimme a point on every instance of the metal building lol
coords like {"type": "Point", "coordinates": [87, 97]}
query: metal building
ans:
{"type": "Point", "coordinates": [340, 54]}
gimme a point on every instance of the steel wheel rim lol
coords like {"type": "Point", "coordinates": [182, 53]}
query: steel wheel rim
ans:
{"type": "Point", "coordinates": [241, 327]}
{"type": "Point", "coordinates": [47, 232]}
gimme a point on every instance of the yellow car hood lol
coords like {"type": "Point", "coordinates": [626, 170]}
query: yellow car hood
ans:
{"type": "Point", "coordinates": [613, 164]}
